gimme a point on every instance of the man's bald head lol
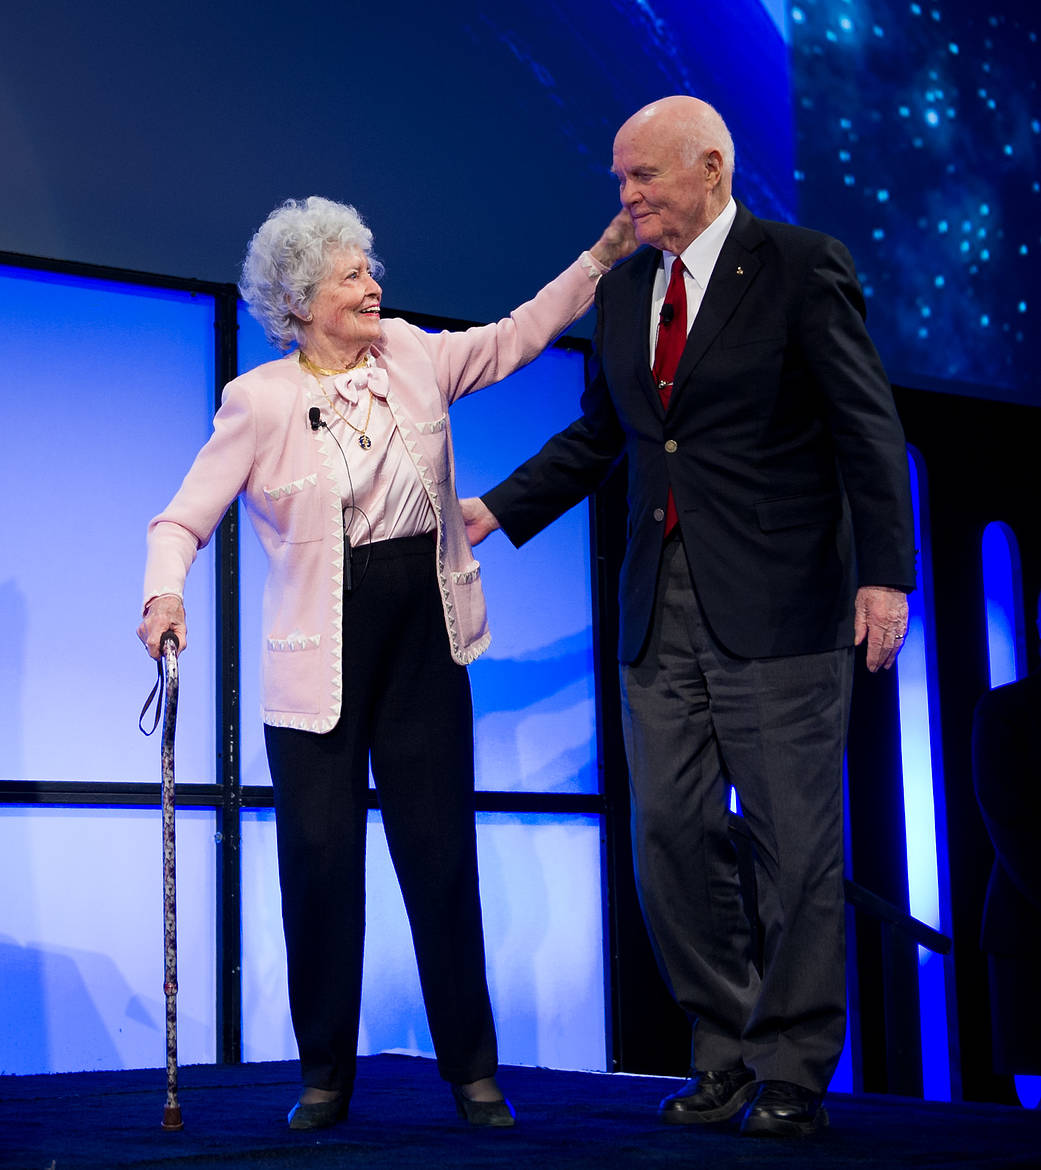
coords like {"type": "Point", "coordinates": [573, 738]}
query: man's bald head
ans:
{"type": "Point", "coordinates": [674, 160]}
{"type": "Point", "coordinates": [686, 123]}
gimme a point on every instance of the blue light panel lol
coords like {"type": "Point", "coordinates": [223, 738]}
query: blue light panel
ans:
{"type": "Point", "coordinates": [1006, 655]}
{"type": "Point", "coordinates": [1006, 649]}
{"type": "Point", "coordinates": [922, 774]}
{"type": "Point", "coordinates": [108, 392]}
{"type": "Point", "coordinates": [544, 951]}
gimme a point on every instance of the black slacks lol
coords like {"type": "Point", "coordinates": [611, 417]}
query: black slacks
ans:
{"type": "Point", "coordinates": [696, 720]}
{"type": "Point", "coordinates": [407, 703]}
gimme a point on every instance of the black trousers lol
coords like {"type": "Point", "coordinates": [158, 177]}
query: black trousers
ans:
{"type": "Point", "coordinates": [407, 703]}
{"type": "Point", "coordinates": [697, 720]}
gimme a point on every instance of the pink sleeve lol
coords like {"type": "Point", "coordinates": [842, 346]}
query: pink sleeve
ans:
{"type": "Point", "coordinates": [216, 477]}
{"type": "Point", "coordinates": [477, 357]}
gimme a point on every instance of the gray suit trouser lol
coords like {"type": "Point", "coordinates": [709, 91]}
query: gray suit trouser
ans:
{"type": "Point", "coordinates": [696, 721]}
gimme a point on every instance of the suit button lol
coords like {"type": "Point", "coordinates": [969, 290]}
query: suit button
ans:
{"type": "Point", "coordinates": [659, 514]}
{"type": "Point", "coordinates": [671, 445]}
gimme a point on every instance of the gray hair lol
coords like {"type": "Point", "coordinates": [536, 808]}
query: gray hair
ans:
{"type": "Point", "coordinates": [291, 254]}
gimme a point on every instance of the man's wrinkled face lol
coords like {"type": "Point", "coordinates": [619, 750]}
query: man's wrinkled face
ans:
{"type": "Point", "coordinates": [665, 184]}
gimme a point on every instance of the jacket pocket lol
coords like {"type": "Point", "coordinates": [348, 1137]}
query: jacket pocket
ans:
{"type": "Point", "coordinates": [435, 450]}
{"type": "Point", "coordinates": [295, 509]}
{"type": "Point", "coordinates": [467, 576]}
{"type": "Point", "coordinates": [292, 674]}
{"type": "Point", "coordinates": [796, 512]}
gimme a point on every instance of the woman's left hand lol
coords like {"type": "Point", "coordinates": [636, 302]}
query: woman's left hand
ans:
{"type": "Point", "coordinates": [617, 241]}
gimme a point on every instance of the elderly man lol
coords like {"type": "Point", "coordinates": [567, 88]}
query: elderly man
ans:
{"type": "Point", "coordinates": [770, 531]}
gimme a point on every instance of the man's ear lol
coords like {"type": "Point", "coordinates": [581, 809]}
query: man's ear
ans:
{"type": "Point", "coordinates": [713, 161]}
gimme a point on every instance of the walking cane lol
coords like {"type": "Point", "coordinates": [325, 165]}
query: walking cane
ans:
{"type": "Point", "coordinates": [167, 681]}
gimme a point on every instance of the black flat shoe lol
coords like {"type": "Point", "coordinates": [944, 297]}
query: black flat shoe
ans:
{"type": "Point", "coordinates": [783, 1110]}
{"type": "Point", "coordinates": [708, 1097]}
{"type": "Point", "coordinates": [498, 1114]}
{"type": "Point", "coordinates": [319, 1114]}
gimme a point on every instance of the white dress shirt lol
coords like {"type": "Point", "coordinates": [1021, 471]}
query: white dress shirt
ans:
{"type": "Point", "coordinates": [699, 258]}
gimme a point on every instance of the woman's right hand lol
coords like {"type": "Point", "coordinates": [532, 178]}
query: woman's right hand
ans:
{"type": "Point", "coordinates": [163, 613]}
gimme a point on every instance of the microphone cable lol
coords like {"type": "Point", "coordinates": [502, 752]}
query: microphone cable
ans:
{"type": "Point", "coordinates": [350, 582]}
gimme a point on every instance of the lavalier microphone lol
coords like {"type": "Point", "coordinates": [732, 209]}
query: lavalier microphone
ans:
{"type": "Point", "coordinates": [668, 311]}
{"type": "Point", "coordinates": [314, 417]}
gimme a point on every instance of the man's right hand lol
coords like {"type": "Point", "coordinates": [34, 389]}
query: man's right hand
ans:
{"type": "Point", "coordinates": [479, 520]}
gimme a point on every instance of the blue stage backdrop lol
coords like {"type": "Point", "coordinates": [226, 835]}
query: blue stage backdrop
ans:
{"type": "Point", "coordinates": [477, 138]}
{"type": "Point", "coordinates": [919, 145]}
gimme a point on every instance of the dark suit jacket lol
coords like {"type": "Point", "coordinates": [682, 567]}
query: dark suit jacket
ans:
{"type": "Point", "coordinates": [789, 465]}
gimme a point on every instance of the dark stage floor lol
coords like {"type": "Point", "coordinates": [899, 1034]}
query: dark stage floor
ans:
{"type": "Point", "coordinates": [402, 1116]}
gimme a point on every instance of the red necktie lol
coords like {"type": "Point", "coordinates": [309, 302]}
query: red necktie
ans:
{"type": "Point", "coordinates": [672, 337]}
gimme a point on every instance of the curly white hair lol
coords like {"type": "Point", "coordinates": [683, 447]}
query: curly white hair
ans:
{"type": "Point", "coordinates": [289, 257]}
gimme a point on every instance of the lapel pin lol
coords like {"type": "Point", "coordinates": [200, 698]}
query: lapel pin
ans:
{"type": "Point", "coordinates": [740, 270]}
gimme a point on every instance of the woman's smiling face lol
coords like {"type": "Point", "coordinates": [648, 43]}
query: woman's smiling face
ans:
{"type": "Point", "coordinates": [345, 311]}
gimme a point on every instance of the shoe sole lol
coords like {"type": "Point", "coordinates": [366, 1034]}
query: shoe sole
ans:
{"type": "Point", "coordinates": [707, 1116]}
{"type": "Point", "coordinates": [777, 1128]}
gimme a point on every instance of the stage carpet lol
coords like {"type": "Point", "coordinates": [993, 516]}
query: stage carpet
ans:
{"type": "Point", "coordinates": [402, 1116]}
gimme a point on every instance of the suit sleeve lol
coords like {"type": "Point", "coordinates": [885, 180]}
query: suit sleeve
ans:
{"type": "Point", "coordinates": [573, 463]}
{"type": "Point", "coordinates": [859, 406]}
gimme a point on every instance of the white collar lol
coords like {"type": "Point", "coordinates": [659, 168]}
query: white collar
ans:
{"type": "Point", "coordinates": [701, 254]}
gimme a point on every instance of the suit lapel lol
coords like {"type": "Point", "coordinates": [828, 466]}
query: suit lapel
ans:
{"type": "Point", "coordinates": [635, 340]}
{"type": "Point", "coordinates": [735, 270]}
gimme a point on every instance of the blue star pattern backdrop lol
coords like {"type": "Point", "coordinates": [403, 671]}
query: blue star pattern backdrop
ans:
{"type": "Point", "coordinates": [918, 139]}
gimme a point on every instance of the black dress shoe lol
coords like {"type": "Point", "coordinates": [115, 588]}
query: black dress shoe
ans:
{"type": "Point", "coordinates": [319, 1114]}
{"type": "Point", "coordinates": [781, 1109]}
{"type": "Point", "coordinates": [497, 1114]}
{"type": "Point", "coordinates": [708, 1097]}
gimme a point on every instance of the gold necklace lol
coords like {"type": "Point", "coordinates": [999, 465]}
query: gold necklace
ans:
{"type": "Point", "coordinates": [363, 439]}
{"type": "Point", "coordinates": [321, 371]}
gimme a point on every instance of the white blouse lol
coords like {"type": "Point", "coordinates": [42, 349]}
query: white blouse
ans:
{"type": "Point", "coordinates": [382, 495]}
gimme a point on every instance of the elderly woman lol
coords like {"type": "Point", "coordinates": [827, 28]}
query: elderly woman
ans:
{"type": "Point", "coordinates": [372, 609]}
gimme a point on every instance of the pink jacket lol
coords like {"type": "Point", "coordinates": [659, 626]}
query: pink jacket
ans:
{"type": "Point", "coordinates": [263, 446]}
